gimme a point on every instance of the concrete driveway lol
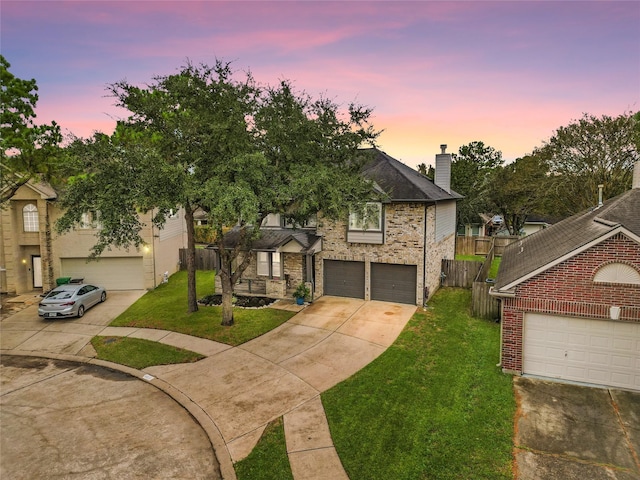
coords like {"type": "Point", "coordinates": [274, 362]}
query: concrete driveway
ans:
{"type": "Point", "coordinates": [235, 392]}
{"type": "Point", "coordinates": [572, 432]}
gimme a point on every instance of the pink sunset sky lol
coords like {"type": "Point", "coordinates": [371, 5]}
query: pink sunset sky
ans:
{"type": "Point", "coordinates": [505, 73]}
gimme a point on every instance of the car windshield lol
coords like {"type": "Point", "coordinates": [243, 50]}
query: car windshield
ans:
{"type": "Point", "coordinates": [60, 294]}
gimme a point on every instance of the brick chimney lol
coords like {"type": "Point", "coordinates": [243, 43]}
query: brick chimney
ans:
{"type": "Point", "coordinates": [636, 175]}
{"type": "Point", "coordinates": [442, 177]}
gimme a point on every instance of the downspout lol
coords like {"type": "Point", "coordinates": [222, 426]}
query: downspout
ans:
{"type": "Point", "coordinates": [425, 288]}
{"type": "Point", "coordinates": [153, 252]}
{"type": "Point", "coordinates": [493, 293]}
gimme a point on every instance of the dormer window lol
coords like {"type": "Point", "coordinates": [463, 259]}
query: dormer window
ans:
{"type": "Point", "coordinates": [30, 218]}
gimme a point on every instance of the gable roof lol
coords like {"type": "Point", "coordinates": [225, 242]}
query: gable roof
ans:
{"type": "Point", "coordinates": [272, 238]}
{"type": "Point", "coordinates": [544, 249]}
{"type": "Point", "coordinates": [402, 183]}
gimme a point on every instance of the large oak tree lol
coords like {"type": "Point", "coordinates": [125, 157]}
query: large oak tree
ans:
{"type": "Point", "coordinates": [201, 138]}
{"type": "Point", "coordinates": [589, 152]}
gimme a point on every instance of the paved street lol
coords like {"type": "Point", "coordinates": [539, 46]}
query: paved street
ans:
{"type": "Point", "coordinates": [574, 432]}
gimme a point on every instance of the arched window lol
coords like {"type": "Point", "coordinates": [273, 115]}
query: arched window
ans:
{"type": "Point", "coordinates": [30, 218]}
{"type": "Point", "coordinates": [617, 273]}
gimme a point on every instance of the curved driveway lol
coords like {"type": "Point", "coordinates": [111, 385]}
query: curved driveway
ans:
{"type": "Point", "coordinates": [235, 392]}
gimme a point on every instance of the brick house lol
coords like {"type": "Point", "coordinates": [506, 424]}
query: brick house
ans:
{"type": "Point", "coordinates": [32, 256]}
{"type": "Point", "coordinates": [570, 297]}
{"type": "Point", "coordinates": [394, 254]}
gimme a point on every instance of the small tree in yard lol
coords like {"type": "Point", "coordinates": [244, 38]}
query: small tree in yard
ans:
{"type": "Point", "coordinates": [202, 139]}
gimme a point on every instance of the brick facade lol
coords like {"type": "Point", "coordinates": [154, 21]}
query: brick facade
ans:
{"type": "Point", "coordinates": [568, 289]}
{"type": "Point", "coordinates": [404, 243]}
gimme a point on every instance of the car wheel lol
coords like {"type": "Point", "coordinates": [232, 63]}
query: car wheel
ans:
{"type": "Point", "coordinates": [80, 311]}
{"type": "Point", "coordinates": [103, 297]}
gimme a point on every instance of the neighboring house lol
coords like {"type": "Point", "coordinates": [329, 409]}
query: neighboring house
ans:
{"type": "Point", "coordinates": [535, 223]}
{"type": "Point", "coordinates": [571, 297]}
{"type": "Point", "coordinates": [33, 256]}
{"type": "Point", "coordinates": [489, 225]}
{"type": "Point", "coordinates": [394, 254]}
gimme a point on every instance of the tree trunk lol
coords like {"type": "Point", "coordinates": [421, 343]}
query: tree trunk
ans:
{"type": "Point", "coordinates": [227, 300]}
{"type": "Point", "coordinates": [192, 297]}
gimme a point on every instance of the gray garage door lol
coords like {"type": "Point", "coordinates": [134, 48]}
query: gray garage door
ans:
{"type": "Point", "coordinates": [344, 279]}
{"type": "Point", "coordinates": [112, 273]}
{"type": "Point", "coordinates": [393, 283]}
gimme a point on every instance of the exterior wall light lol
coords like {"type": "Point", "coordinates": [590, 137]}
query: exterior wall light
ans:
{"type": "Point", "coordinates": [614, 313]}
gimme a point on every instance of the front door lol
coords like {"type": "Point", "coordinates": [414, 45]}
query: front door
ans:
{"type": "Point", "coordinates": [36, 262]}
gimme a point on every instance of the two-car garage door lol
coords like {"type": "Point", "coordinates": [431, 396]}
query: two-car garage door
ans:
{"type": "Point", "coordinates": [389, 282]}
{"type": "Point", "coordinates": [592, 351]}
{"type": "Point", "coordinates": [112, 273]}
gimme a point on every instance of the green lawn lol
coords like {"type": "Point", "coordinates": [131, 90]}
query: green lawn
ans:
{"type": "Point", "coordinates": [268, 461]}
{"type": "Point", "coordinates": [139, 353]}
{"type": "Point", "coordinates": [434, 405]}
{"type": "Point", "coordinates": [495, 264]}
{"type": "Point", "coordinates": [165, 308]}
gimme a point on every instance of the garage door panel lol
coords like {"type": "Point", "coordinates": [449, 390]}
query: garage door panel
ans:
{"type": "Point", "coordinates": [112, 273]}
{"type": "Point", "coordinates": [344, 278]}
{"type": "Point", "coordinates": [393, 283]}
{"type": "Point", "coordinates": [595, 351]}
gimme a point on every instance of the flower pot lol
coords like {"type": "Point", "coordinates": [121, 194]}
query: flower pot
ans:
{"type": "Point", "coordinates": [300, 300]}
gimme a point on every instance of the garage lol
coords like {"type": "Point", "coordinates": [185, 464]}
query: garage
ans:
{"type": "Point", "coordinates": [344, 278]}
{"type": "Point", "coordinates": [601, 352]}
{"type": "Point", "coordinates": [393, 283]}
{"type": "Point", "coordinates": [112, 273]}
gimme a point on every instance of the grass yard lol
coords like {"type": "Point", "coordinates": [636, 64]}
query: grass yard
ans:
{"type": "Point", "coordinates": [495, 264]}
{"type": "Point", "coordinates": [165, 308]}
{"type": "Point", "coordinates": [139, 353]}
{"type": "Point", "coordinates": [268, 461]}
{"type": "Point", "coordinates": [434, 405]}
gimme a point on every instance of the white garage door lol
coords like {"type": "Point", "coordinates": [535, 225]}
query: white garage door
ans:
{"type": "Point", "coordinates": [120, 273]}
{"type": "Point", "coordinates": [593, 351]}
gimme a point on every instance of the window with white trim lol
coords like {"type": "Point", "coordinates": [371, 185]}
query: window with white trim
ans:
{"type": "Point", "coordinates": [369, 219]}
{"type": "Point", "coordinates": [90, 219]}
{"type": "Point", "coordinates": [30, 218]}
{"type": "Point", "coordinates": [269, 264]}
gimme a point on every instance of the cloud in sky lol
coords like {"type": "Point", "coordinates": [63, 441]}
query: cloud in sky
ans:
{"type": "Point", "coordinates": [506, 73]}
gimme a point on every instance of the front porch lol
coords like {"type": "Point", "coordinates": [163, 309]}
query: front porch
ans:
{"type": "Point", "coordinates": [260, 287]}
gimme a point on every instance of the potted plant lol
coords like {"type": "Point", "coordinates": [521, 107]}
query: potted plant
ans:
{"type": "Point", "coordinates": [301, 294]}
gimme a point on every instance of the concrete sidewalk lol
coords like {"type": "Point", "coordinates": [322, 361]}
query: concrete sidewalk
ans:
{"type": "Point", "coordinates": [242, 389]}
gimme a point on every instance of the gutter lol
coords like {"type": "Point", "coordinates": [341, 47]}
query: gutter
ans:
{"type": "Point", "coordinates": [499, 294]}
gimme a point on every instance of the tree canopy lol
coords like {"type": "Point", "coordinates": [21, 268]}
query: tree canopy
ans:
{"type": "Point", "coordinates": [518, 190]}
{"type": "Point", "coordinates": [589, 152]}
{"type": "Point", "coordinates": [202, 138]}
{"type": "Point", "coordinates": [470, 172]}
{"type": "Point", "coordinates": [27, 150]}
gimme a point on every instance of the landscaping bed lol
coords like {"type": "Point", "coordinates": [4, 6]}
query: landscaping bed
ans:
{"type": "Point", "coordinates": [239, 301]}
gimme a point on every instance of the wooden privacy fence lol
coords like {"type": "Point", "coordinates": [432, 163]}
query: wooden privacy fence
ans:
{"type": "Point", "coordinates": [484, 305]}
{"type": "Point", "coordinates": [482, 245]}
{"type": "Point", "coordinates": [205, 259]}
{"type": "Point", "coordinates": [470, 274]}
{"type": "Point", "coordinates": [459, 273]}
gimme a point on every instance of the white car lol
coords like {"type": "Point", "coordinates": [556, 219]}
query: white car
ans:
{"type": "Point", "coordinates": [70, 300]}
